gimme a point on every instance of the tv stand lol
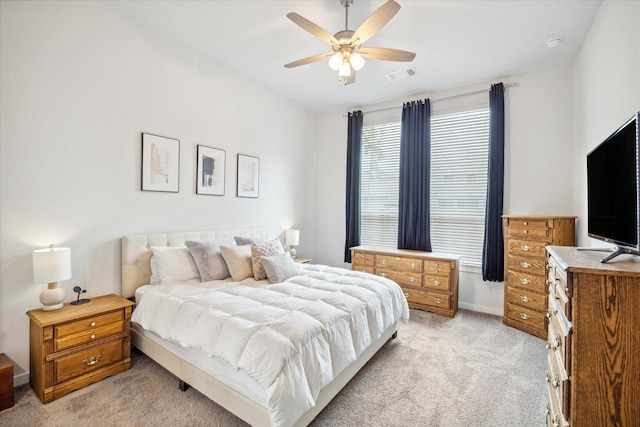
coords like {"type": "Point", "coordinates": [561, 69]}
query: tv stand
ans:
{"type": "Point", "coordinates": [615, 251]}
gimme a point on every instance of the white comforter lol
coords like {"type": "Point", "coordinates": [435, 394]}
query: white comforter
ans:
{"type": "Point", "coordinates": [293, 337]}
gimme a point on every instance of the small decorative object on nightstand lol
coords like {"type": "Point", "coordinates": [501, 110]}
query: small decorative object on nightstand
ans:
{"type": "Point", "coordinates": [291, 239]}
{"type": "Point", "coordinates": [78, 301]}
{"type": "Point", "coordinates": [302, 260]}
{"type": "Point", "coordinates": [52, 265]}
{"type": "Point", "coordinates": [78, 345]}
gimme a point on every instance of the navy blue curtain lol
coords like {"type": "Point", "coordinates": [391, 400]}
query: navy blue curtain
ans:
{"type": "Point", "coordinates": [493, 247]}
{"type": "Point", "coordinates": [354, 159]}
{"type": "Point", "coordinates": [415, 166]}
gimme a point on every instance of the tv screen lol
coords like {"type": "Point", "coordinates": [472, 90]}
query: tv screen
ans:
{"type": "Point", "coordinates": [612, 188]}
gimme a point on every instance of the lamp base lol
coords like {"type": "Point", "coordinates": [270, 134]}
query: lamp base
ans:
{"type": "Point", "coordinates": [292, 251]}
{"type": "Point", "coordinates": [52, 298]}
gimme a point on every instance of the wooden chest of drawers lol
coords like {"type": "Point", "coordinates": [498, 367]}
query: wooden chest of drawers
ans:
{"type": "Point", "coordinates": [77, 345]}
{"type": "Point", "coordinates": [593, 339]}
{"type": "Point", "coordinates": [525, 290]}
{"type": "Point", "coordinates": [429, 280]}
{"type": "Point", "coordinates": [6, 382]}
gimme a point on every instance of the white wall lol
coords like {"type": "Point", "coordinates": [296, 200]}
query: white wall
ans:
{"type": "Point", "coordinates": [606, 88]}
{"type": "Point", "coordinates": [79, 84]}
{"type": "Point", "coordinates": [538, 179]}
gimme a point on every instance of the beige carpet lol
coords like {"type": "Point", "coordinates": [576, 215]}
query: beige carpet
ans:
{"type": "Point", "coordinates": [467, 371]}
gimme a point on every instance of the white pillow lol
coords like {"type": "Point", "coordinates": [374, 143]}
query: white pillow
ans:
{"type": "Point", "coordinates": [279, 267]}
{"type": "Point", "coordinates": [207, 256]}
{"type": "Point", "coordinates": [171, 264]}
{"type": "Point", "coordinates": [238, 259]}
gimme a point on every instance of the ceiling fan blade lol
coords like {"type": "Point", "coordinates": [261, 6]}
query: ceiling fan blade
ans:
{"type": "Point", "coordinates": [312, 28]}
{"type": "Point", "coordinates": [309, 60]}
{"type": "Point", "coordinates": [387, 54]}
{"type": "Point", "coordinates": [375, 22]}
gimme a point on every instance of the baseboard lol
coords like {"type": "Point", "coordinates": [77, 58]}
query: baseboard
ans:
{"type": "Point", "coordinates": [481, 308]}
{"type": "Point", "coordinates": [20, 378]}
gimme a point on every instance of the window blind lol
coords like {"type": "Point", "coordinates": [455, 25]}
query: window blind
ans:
{"type": "Point", "coordinates": [380, 176]}
{"type": "Point", "coordinates": [459, 167]}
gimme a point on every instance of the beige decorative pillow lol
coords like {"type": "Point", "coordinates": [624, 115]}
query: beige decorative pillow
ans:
{"type": "Point", "coordinates": [238, 259]}
{"type": "Point", "coordinates": [259, 250]}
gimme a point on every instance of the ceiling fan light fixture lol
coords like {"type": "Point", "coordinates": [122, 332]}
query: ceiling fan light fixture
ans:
{"type": "Point", "coordinates": [357, 61]}
{"type": "Point", "coordinates": [345, 69]}
{"type": "Point", "coordinates": [336, 61]}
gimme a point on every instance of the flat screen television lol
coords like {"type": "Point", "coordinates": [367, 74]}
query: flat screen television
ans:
{"type": "Point", "coordinates": [613, 190]}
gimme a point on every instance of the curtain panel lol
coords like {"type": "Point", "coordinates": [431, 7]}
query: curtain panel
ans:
{"type": "Point", "coordinates": [354, 160]}
{"type": "Point", "coordinates": [415, 166]}
{"type": "Point", "coordinates": [493, 247]}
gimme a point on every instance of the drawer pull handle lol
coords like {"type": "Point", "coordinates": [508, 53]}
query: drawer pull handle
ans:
{"type": "Point", "coordinates": [526, 223]}
{"type": "Point", "coordinates": [93, 337]}
{"type": "Point", "coordinates": [524, 298]}
{"type": "Point", "coordinates": [525, 264]}
{"type": "Point", "coordinates": [397, 259]}
{"type": "Point", "coordinates": [92, 360]}
{"type": "Point", "coordinates": [524, 316]}
{"type": "Point", "coordinates": [92, 324]}
{"type": "Point", "coordinates": [407, 295]}
{"type": "Point", "coordinates": [525, 248]}
{"type": "Point", "coordinates": [413, 265]}
{"type": "Point", "coordinates": [437, 283]}
{"type": "Point", "coordinates": [438, 300]}
{"type": "Point", "coordinates": [556, 421]}
{"type": "Point", "coordinates": [437, 272]}
{"type": "Point", "coordinates": [525, 281]}
{"type": "Point", "coordinates": [383, 275]}
{"type": "Point", "coordinates": [412, 279]}
{"type": "Point", "coordinates": [526, 231]}
{"type": "Point", "coordinates": [555, 382]}
{"type": "Point", "coordinates": [383, 262]}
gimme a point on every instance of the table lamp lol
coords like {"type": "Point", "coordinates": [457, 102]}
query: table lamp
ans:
{"type": "Point", "coordinates": [50, 266]}
{"type": "Point", "coordinates": [291, 239]}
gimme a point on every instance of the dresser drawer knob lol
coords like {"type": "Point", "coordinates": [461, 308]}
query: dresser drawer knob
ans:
{"type": "Point", "coordinates": [383, 275]}
{"type": "Point", "coordinates": [438, 300]}
{"type": "Point", "coordinates": [92, 324]}
{"type": "Point", "coordinates": [407, 295]}
{"type": "Point", "coordinates": [524, 298]}
{"type": "Point", "coordinates": [383, 262]}
{"type": "Point", "coordinates": [413, 265]}
{"type": "Point", "coordinates": [92, 360]}
{"type": "Point", "coordinates": [437, 283]}
{"type": "Point", "coordinates": [93, 337]}
{"type": "Point", "coordinates": [525, 281]}
{"type": "Point", "coordinates": [525, 264]}
{"type": "Point", "coordinates": [437, 271]}
{"type": "Point", "coordinates": [526, 231]}
{"type": "Point", "coordinates": [556, 421]}
{"type": "Point", "coordinates": [412, 279]}
{"type": "Point", "coordinates": [525, 248]}
{"type": "Point", "coordinates": [524, 316]}
{"type": "Point", "coordinates": [526, 223]}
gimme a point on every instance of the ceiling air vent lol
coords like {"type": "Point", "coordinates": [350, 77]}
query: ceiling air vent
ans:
{"type": "Point", "coordinates": [399, 75]}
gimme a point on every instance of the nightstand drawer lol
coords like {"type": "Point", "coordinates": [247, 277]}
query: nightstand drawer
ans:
{"type": "Point", "coordinates": [91, 335]}
{"type": "Point", "coordinates": [88, 360]}
{"type": "Point", "coordinates": [88, 324]}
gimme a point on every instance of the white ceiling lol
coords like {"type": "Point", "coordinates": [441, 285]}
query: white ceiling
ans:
{"type": "Point", "coordinates": [456, 42]}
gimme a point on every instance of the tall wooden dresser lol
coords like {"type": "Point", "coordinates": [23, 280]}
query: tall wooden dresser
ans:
{"type": "Point", "coordinates": [525, 290]}
{"type": "Point", "coordinates": [593, 362]}
{"type": "Point", "coordinates": [429, 280]}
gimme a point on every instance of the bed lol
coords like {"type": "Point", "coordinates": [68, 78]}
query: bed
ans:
{"type": "Point", "coordinates": [274, 354]}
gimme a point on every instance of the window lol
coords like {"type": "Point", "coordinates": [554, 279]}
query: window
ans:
{"type": "Point", "coordinates": [459, 162]}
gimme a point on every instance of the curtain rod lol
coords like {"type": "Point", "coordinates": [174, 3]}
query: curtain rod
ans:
{"type": "Point", "coordinates": [446, 98]}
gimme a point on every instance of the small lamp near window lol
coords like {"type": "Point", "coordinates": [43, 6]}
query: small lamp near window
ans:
{"type": "Point", "coordinates": [291, 239]}
{"type": "Point", "coordinates": [51, 266]}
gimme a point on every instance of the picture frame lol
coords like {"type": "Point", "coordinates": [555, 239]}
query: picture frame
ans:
{"type": "Point", "coordinates": [211, 170]}
{"type": "Point", "coordinates": [248, 176]}
{"type": "Point", "coordinates": [160, 163]}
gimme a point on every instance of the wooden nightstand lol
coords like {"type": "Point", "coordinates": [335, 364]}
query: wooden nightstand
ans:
{"type": "Point", "coordinates": [77, 345]}
{"type": "Point", "coordinates": [302, 260]}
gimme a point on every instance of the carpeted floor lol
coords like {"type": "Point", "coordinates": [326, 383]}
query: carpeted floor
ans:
{"type": "Point", "coordinates": [467, 371]}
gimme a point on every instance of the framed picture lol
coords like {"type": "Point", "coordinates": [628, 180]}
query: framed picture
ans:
{"type": "Point", "coordinates": [248, 176]}
{"type": "Point", "coordinates": [211, 171]}
{"type": "Point", "coordinates": [160, 163]}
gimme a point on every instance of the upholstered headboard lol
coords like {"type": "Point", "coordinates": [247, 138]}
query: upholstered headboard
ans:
{"type": "Point", "coordinates": [136, 251]}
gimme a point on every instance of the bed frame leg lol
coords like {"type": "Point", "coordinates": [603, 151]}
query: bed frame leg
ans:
{"type": "Point", "coordinates": [395, 335]}
{"type": "Point", "coordinates": [183, 386]}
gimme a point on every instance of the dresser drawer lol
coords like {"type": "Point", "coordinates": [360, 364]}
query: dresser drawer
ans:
{"type": "Point", "coordinates": [527, 299]}
{"type": "Point", "coordinates": [529, 318]}
{"type": "Point", "coordinates": [399, 263]}
{"type": "Point", "coordinates": [526, 248]}
{"type": "Point", "coordinates": [432, 299]}
{"type": "Point", "coordinates": [401, 277]}
{"type": "Point", "coordinates": [527, 280]}
{"type": "Point", "coordinates": [437, 268]}
{"type": "Point", "coordinates": [362, 259]}
{"type": "Point", "coordinates": [527, 228]}
{"type": "Point", "coordinates": [363, 268]}
{"type": "Point", "coordinates": [88, 360]}
{"type": "Point", "coordinates": [93, 334]}
{"type": "Point", "coordinates": [527, 264]}
{"type": "Point", "coordinates": [442, 283]}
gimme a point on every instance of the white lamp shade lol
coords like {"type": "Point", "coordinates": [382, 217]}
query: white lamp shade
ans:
{"type": "Point", "coordinates": [336, 61]}
{"type": "Point", "coordinates": [51, 265]}
{"type": "Point", "coordinates": [292, 237]}
{"type": "Point", "coordinates": [357, 61]}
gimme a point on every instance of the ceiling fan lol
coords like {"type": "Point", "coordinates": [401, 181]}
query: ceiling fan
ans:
{"type": "Point", "coordinates": [348, 53]}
